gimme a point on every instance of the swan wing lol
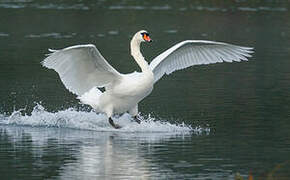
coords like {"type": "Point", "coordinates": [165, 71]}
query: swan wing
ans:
{"type": "Point", "coordinates": [81, 68]}
{"type": "Point", "coordinates": [195, 52]}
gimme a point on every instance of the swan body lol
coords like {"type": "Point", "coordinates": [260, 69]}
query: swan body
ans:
{"type": "Point", "coordinates": [83, 70]}
{"type": "Point", "coordinates": [124, 96]}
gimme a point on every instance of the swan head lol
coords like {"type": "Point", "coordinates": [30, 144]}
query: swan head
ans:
{"type": "Point", "coordinates": [142, 36]}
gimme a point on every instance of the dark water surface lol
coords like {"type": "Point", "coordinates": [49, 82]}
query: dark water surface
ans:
{"type": "Point", "coordinates": [206, 122]}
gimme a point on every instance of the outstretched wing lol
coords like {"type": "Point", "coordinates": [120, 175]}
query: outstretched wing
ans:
{"type": "Point", "coordinates": [195, 52]}
{"type": "Point", "coordinates": [81, 68]}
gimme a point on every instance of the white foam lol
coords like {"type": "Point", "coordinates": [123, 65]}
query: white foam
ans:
{"type": "Point", "coordinates": [74, 119]}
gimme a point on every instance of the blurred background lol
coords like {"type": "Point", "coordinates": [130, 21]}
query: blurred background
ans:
{"type": "Point", "coordinates": [245, 105]}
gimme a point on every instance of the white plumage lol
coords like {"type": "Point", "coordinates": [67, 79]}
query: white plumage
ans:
{"type": "Point", "coordinates": [83, 70]}
{"type": "Point", "coordinates": [196, 52]}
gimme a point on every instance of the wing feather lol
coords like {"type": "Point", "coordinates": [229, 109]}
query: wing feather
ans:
{"type": "Point", "coordinates": [196, 52]}
{"type": "Point", "coordinates": [81, 68]}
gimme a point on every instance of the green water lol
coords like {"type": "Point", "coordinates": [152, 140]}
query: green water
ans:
{"type": "Point", "coordinates": [245, 105]}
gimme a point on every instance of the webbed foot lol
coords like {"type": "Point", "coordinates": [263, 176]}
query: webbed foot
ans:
{"type": "Point", "coordinates": [136, 119]}
{"type": "Point", "coordinates": [116, 126]}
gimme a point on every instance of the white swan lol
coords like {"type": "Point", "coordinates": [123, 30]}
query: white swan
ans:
{"type": "Point", "coordinates": [83, 70]}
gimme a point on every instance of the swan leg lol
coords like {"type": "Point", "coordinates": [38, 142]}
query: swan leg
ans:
{"type": "Point", "coordinates": [134, 112]}
{"type": "Point", "coordinates": [109, 112]}
{"type": "Point", "coordinates": [116, 126]}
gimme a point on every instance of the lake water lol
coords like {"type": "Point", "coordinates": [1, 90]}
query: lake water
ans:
{"type": "Point", "coordinates": [205, 122]}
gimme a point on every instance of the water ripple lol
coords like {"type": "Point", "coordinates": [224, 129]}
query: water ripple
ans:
{"type": "Point", "coordinates": [53, 35]}
{"type": "Point", "coordinates": [43, 6]}
{"type": "Point", "coordinates": [2, 34]}
{"type": "Point", "coordinates": [19, 4]}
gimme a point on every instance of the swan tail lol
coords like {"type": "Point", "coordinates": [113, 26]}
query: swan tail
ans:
{"type": "Point", "coordinates": [91, 98]}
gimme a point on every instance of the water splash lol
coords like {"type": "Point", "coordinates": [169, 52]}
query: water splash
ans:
{"type": "Point", "coordinates": [74, 119]}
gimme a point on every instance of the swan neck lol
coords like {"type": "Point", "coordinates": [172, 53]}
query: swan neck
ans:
{"type": "Point", "coordinates": [137, 55]}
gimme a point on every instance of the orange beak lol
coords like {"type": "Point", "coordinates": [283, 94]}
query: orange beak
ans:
{"type": "Point", "coordinates": [147, 38]}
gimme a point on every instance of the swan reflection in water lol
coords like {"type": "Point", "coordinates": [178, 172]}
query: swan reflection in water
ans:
{"type": "Point", "coordinates": [69, 153]}
{"type": "Point", "coordinates": [81, 154]}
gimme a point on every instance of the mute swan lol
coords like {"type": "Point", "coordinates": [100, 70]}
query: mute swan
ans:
{"type": "Point", "coordinates": [83, 70]}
